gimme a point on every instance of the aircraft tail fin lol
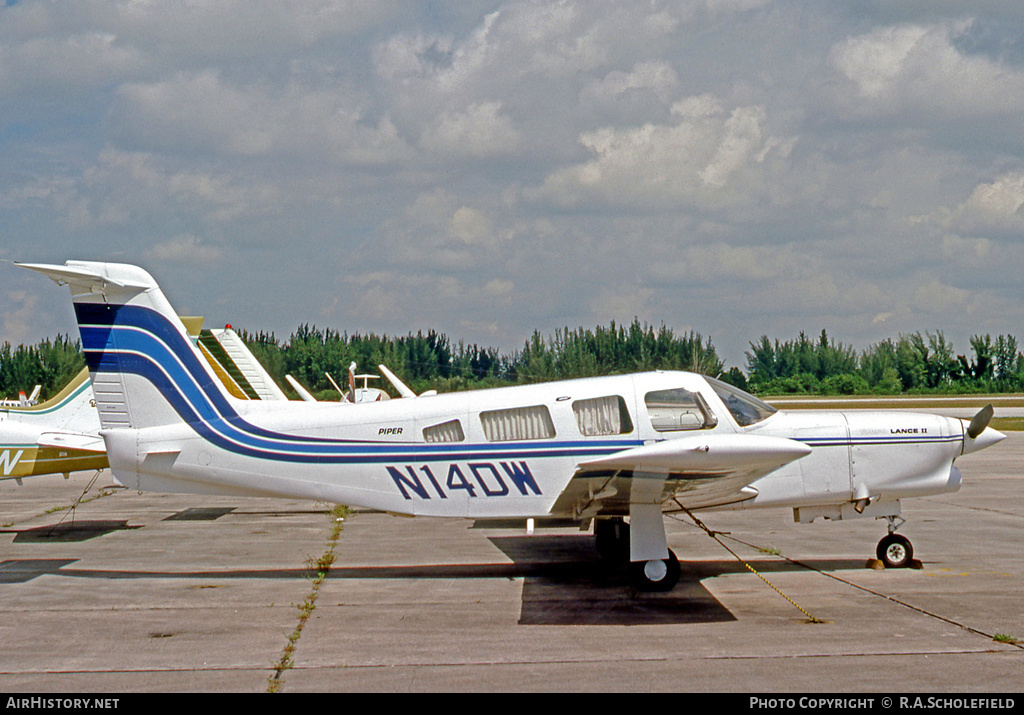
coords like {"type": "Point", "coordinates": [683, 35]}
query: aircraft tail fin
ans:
{"type": "Point", "coordinates": [145, 369]}
{"type": "Point", "coordinates": [70, 410]}
{"type": "Point", "coordinates": [252, 371]}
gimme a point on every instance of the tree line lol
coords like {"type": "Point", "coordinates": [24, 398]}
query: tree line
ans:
{"type": "Point", "coordinates": [432, 361]}
{"type": "Point", "coordinates": [50, 364]}
{"type": "Point", "coordinates": [911, 363]}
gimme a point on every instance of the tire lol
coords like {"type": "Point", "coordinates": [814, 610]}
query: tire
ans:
{"type": "Point", "coordinates": [895, 551]}
{"type": "Point", "coordinates": [656, 576]}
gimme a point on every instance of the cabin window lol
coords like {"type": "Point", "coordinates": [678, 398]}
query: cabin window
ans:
{"type": "Point", "coordinates": [678, 409]}
{"type": "Point", "coordinates": [744, 408]}
{"type": "Point", "coordinates": [602, 416]}
{"type": "Point", "coordinates": [519, 423]}
{"type": "Point", "coordinates": [450, 431]}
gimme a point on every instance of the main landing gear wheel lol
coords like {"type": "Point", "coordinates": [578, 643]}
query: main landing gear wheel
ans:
{"type": "Point", "coordinates": [895, 551]}
{"type": "Point", "coordinates": [656, 575]}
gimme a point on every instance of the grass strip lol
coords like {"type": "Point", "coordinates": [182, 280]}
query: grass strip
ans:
{"type": "Point", "coordinates": [319, 568]}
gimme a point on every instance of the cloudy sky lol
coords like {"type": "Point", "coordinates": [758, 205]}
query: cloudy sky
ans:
{"type": "Point", "coordinates": [486, 168]}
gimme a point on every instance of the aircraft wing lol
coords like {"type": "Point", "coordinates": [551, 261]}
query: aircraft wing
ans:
{"type": "Point", "coordinates": [697, 471]}
{"type": "Point", "coordinates": [70, 440]}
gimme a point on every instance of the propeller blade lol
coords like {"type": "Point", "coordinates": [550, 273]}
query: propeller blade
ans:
{"type": "Point", "coordinates": [980, 421]}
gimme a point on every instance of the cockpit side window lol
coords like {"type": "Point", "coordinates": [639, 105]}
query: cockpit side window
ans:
{"type": "Point", "coordinates": [678, 409]}
{"type": "Point", "coordinates": [744, 408]}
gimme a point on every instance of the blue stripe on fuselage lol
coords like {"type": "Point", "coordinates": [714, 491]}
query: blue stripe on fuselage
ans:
{"type": "Point", "coordinates": [140, 341]}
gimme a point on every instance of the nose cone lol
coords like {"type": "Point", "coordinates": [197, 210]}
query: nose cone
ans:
{"type": "Point", "coordinates": [987, 438]}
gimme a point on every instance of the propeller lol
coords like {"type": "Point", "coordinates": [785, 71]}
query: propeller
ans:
{"type": "Point", "coordinates": [980, 421]}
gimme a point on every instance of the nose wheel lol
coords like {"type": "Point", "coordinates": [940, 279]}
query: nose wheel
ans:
{"type": "Point", "coordinates": [895, 551]}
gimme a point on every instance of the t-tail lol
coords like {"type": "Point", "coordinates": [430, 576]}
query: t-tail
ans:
{"type": "Point", "coordinates": [145, 370]}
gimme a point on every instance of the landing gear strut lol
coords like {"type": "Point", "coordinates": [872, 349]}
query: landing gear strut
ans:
{"type": "Point", "coordinates": [894, 550]}
{"type": "Point", "coordinates": [612, 539]}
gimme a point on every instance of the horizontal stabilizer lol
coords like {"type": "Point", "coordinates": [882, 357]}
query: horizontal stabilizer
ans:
{"type": "Point", "coordinates": [303, 392]}
{"type": "Point", "coordinates": [67, 440]}
{"type": "Point", "coordinates": [402, 388]}
{"type": "Point", "coordinates": [85, 276]}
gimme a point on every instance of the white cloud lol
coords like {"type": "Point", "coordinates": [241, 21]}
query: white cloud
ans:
{"type": "Point", "coordinates": [499, 287]}
{"type": "Point", "coordinates": [185, 248]}
{"type": "Point", "coordinates": [958, 248]}
{"type": "Point", "coordinates": [919, 67]}
{"type": "Point", "coordinates": [202, 112]}
{"type": "Point", "coordinates": [752, 167]}
{"type": "Point", "coordinates": [936, 297]}
{"type": "Point", "coordinates": [734, 5]}
{"type": "Point", "coordinates": [65, 65]}
{"type": "Point", "coordinates": [995, 208]}
{"type": "Point", "coordinates": [436, 232]}
{"type": "Point", "coordinates": [697, 161]}
{"type": "Point", "coordinates": [639, 93]}
{"type": "Point", "coordinates": [471, 227]}
{"type": "Point", "coordinates": [999, 202]}
{"type": "Point", "coordinates": [621, 303]}
{"type": "Point", "coordinates": [875, 61]}
{"type": "Point", "coordinates": [20, 316]}
{"type": "Point", "coordinates": [741, 139]}
{"type": "Point", "coordinates": [480, 131]}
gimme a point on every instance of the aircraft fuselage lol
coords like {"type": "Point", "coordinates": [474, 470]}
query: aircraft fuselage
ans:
{"type": "Point", "coordinates": [378, 455]}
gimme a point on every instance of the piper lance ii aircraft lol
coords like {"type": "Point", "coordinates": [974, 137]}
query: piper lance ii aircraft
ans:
{"type": "Point", "coordinates": [604, 449]}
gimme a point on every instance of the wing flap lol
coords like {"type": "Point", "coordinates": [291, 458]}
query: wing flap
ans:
{"type": "Point", "coordinates": [698, 471]}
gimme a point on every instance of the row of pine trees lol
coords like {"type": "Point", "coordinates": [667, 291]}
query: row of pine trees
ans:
{"type": "Point", "coordinates": [911, 363]}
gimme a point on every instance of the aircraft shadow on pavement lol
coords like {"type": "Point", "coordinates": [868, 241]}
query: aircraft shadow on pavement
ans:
{"type": "Point", "coordinates": [71, 531]}
{"type": "Point", "coordinates": [566, 583]}
{"type": "Point", "coordinates": [201, 513]}
{"type": "Point", "coordinates": [569, 584]}
{"type": "Point", "coordinates": [24, 570]}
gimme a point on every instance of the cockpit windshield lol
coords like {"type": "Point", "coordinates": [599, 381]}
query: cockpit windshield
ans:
{"type": "Point", "coordinates": [745, 408]}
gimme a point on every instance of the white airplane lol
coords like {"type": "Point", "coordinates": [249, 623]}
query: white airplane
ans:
{"type": "Point", "coordinates": [359, 395]}
{"type": "Point", "coordinates": [602, 449]}
{"type": "Point", "coordinates": [23, 401]}
{"type": "Point", "coordinates": [61, 435]}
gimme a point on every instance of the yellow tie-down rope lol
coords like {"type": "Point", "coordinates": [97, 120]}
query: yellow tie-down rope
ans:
{"type": "Point", "coordinates": [714, 535]}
